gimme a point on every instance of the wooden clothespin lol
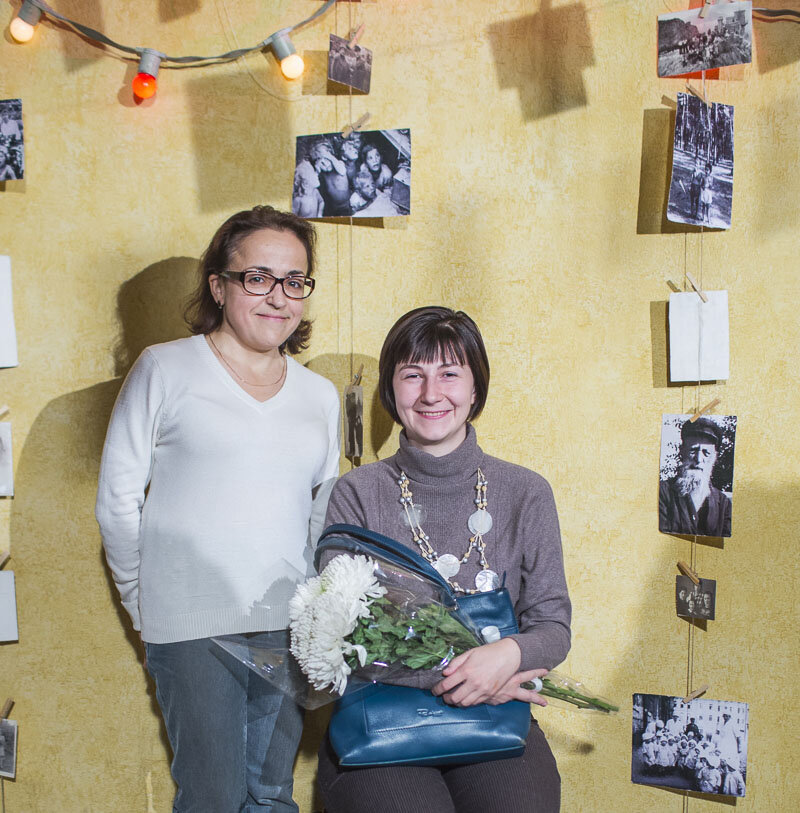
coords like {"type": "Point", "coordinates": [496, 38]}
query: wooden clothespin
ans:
{"type": "Point", "coordinates": [8, 705]}
{"type": "Point", "coordinates": [673, 287]}
{"type": "Point", "coordinates": [355, 125]}
{"type": "Point", "coordinates": [356, 35]}
{"type": "Point", "coordinates": [696, 693]}
{"type": "Point", "coordinates": [687, 571]}
{"type": "Point", "coordinates": [4, 557]}
{"type": "Point", "coordinates": [704, 9]}
{"type": "Point", "coordinates": [695, 92]}
{"type": "Point", "coordinates": [709, 406]}
{"type": "Point", "coordinates": [357, 376]}
{"type": "Point", "coordinates": [697, 288]}
{"type": "Point", "coordinates": [4, 410]}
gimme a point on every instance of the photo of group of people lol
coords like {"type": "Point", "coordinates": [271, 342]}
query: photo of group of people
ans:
{"type": "Point", "coordinates": [349, 66]}
{"type": "Point", "coordinates": [688, 42]}
{"type": "Point", "coordinates": [12, 142]}
{"type": "Point", "coordinates": [8, 748]}
{"type": "Point", "coordinates": [696, 478]}
{"type": "Point", "coordinates": [362, 175]}
{"type": "Point", "coordinates": [701, 189]}
{"type": "Point", "coordinates": [695, 600]}
{"type": "Point", "coordinates": [700, 745]}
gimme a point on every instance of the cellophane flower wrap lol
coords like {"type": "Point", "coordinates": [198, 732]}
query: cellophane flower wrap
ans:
{"type": "Point", "coordinates": [366, 619]}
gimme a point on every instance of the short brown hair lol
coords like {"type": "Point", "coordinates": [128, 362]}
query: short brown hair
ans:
{"type": "Point", "coordinates": [202, 313]}
{"type": "Point", "coordinates": [429, 334]}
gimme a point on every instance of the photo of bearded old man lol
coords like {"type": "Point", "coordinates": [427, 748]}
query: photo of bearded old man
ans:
{"type": "Point", "coordinates": [696, 475]}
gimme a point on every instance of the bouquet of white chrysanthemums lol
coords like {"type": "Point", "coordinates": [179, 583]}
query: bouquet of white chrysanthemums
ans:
{"type": "Point", "coordinates": [374, 620]}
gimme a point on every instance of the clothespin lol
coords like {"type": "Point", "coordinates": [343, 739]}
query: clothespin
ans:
{"type": "Point", "coordinates": [4, 557]}
{"type": "Point", "coordinates": [687, 571]}
{"type": "Point", "coordinates": [696, 693]}
{"type": "Point", "coordinates": [356, 35]}
{"type": "Point", "coordinates": [355, 125]}
{"type": "Point", "coordinates": [357, 376]}
{"type": "Point", "coordinates": [709, 406]}
{"type": "Point", "coordinates": [4, 410]}
{"type": "Point", "coordinates": [7, 708]}
{"type": "Point", "coordinates": [673, 287]}
{"type": "Point", "coordinates": [704, 9]}
{"type": "Point", "coordinates": [697, 288]}
{"type": "Point", "coordinates": [695, 92]}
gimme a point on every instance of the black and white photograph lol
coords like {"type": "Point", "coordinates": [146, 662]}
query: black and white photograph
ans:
{"type": "Point", "coordinates": [688, 43]}
{"type": "Point", "coordinates": [8, 748]}
{"type": "Point", "coordinates": [12, 142]}
{"type": "Point", "coordinates": [695, 600]}
{"type": "Point", "coordinates": [349, 66]}
{"type": "Point", "coordinates": [367, 174]}
{"type": "Point", "coordinates": [696, 475]}
{"type": "Point", "coordinates": [6, 461]}
{"type": "Point", "coordinates": [701, 189]}
{"type": "Point", "coordinates": [354, 421]}
{"type": "Point", "coordinates": [699, 746]}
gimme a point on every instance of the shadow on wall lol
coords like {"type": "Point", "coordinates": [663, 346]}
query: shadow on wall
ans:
{"type": "Point", "coordinates": [78, 51]}
{"type": "Point", "coordinates": [775, 42]}
{"type": "Point", "coordinates": [543, 56]}
{"type": "Point", "coordinates": [229, 117]}
{"type": "Point", "coordinates": [174, 9]}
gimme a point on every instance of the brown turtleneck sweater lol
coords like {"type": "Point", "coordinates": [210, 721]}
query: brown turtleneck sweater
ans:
{"type": "Point", "coordinates": [524, 542]}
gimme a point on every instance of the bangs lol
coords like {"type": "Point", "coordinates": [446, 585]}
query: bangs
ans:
{"type": "Point", "coordinates": [437, 343]}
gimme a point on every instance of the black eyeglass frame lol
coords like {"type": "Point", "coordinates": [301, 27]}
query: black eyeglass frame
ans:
{"type": "Point", "coordinates": [238, 276]}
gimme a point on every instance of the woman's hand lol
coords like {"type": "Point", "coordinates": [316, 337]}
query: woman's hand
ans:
{"type": "Point", "coordinates": [488, 674]}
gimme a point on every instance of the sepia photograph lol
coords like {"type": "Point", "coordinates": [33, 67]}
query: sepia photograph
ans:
{"type": "Point", "coordinates": [688, 43]}
{"type": "Point", "coordinates": [695, 600]}
{"type": "Point", "coordinates": [367, 174]}
{"type": "Point", "coordinates": [696, 475]}
{"type": "Point", "coordinates": [6, 461]}
{"type": "Point", "coordinates": [699, 746]}
{"type": "Point", "coordinates": [12, 142]}
{"type": "Point", "coordinates": [8, 748]}
{"type": "Point", "coordinates": [349, 66]}
{"type": "Point", "coordinates": [701, 188]}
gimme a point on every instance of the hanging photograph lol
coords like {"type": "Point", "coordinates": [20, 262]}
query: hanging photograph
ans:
{"type": "Point", "coordinates": [698, 337]}
{"type": "Point", "coordinates": [701, 189]}
{"type": "Point", "coordinates": [349, 66]}
{"type": "Point", "coordinates": [696, 488]}
{"type": "Point", "coordinates": [367, 174]}
{"type": "Point", "coordinates": [8, 748]}
{"type": "Point", "coordinates": [9, 631]}
{"type": "Point", "coordinates": [688, 43]}
{"type": "Point", "coordinates": [6, 461]}
{"type": "Point", "coordinates": [12, 143]}
{"type": "Point", "coordinates": [699, 746]}
{"type": "Point", "coordinates": [354, 421]}
{"type": "Point", "coordinates": [8, 333]}
{"type": "Point", "coordinates": [695, 600]}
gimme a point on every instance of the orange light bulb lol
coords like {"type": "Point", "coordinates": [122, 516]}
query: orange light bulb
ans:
{"type": "Point", "coordinates": [20, 30]}
{"type": "Point", "coordinates": [292, 66]}
{"type": "Point", "coordinates": [144, 85]}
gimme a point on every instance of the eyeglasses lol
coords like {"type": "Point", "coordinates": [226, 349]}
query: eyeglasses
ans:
{"type": "Point", "coordinates": [260, 283]}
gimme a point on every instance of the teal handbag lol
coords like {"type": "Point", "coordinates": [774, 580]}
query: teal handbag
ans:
{"type": "Point", "coordinates": [382, 724]}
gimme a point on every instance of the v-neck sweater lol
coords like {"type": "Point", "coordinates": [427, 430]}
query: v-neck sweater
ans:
{"type": "Point", "coordinates": [205, 493]}
{"type": "Point", "coordinates": [523, 545]}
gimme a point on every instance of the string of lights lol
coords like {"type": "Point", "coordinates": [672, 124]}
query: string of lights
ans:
{"type": "Point", "coordinates": [23, 26]}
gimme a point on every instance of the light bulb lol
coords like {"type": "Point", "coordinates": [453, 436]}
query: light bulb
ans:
{"type": "Point", "coordinates": [144, 85]}
{"type": "Point", "coordinates": [20, 30]}
{"type": "Point", "coordinates": [292, 66]}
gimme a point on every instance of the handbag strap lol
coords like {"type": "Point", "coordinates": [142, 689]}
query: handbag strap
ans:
{"type": "Point", "coordinates": [362, 540]}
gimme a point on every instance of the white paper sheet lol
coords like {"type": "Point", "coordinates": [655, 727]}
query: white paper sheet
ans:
{"type": "Point", "coordinates": [8, 607]}
{"type": "Point", "coordinates": [6, 461]}
{"type": "Point", "coordinates": [698, 337]}
{"type": "Point", "coordinates": [8, 334]}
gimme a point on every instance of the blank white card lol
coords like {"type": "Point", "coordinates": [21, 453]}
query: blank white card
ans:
{"type": "Point", "coordinates": [8, 334]}
{"type": "Point", "coordinates": [698, 337]}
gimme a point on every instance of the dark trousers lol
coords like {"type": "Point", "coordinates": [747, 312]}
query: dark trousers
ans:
{"type": "Point", "coordinates": [526, 784]}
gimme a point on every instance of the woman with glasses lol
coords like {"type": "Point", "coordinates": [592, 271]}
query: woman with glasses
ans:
{"type": "Point", "coordinates": [219, 457]}
{"type": "Point", "coordinates": [479, 521]}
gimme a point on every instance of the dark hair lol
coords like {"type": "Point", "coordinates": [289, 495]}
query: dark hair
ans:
{"type": "Point", "coordinates": [430, 334]}
{"type": "Point", "coordinates": [202, 313]}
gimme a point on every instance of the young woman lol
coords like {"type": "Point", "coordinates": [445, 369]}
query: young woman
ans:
{"type": "Point", "coordinates": [216, 448]}
{"type": "Point", "coordinates": [434, 380]}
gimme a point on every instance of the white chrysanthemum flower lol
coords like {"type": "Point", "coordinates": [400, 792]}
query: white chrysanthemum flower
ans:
{"type": "Point", "coordinates": [324, 611]}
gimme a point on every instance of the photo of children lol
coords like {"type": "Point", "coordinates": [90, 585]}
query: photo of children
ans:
{"type": "Point", "coordinates": [12, 142]}
{"type": "Point", "coordinates": [364, 175]}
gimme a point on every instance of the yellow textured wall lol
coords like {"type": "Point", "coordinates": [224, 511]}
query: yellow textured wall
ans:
{"type": "Point", "coordinates": [540, 156]}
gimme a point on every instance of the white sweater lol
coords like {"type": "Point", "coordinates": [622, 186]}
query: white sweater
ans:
{"type": "Point", "coordinates": [223, 532]}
